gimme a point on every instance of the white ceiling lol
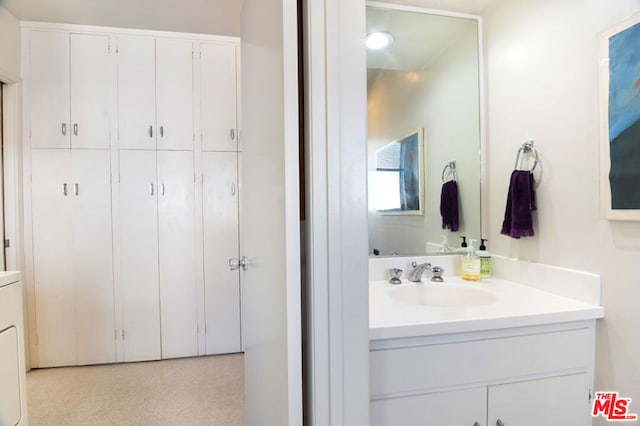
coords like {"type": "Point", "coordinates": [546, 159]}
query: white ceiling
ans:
{"type": "Point", "coordinates": [220, 17]}
{"type": "Point", "coordinates": [419, 38]}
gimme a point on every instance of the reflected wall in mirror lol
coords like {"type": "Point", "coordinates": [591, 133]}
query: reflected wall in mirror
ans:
{"type": "Point", "coordinates": [427, 78]}
{"type": "Point", "coordinates": [399, 176]}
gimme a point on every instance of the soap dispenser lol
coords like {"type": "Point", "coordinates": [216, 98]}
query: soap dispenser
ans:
{"type": "Point", "coordinates": [470, 264]}
{"type": "Point", "coordinates": [485, 259]}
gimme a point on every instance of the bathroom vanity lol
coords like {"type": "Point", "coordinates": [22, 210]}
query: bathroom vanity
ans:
{"type": "Point", "coordinates": [489, 353]}
{"type": "Point", "coordinates": [13, 401]}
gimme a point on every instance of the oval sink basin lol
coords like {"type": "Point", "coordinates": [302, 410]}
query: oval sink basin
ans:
{"type": "Point", "coordinates": [443, 295]}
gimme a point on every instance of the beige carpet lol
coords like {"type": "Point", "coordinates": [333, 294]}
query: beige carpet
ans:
{"type": "Point", "coordinates": [189, 391]}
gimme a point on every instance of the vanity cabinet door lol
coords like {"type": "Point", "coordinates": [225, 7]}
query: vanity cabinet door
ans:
{"type": "Point", "coordinates": [560, 400]}
{"type": "Point", "coordinates": [464, 407]}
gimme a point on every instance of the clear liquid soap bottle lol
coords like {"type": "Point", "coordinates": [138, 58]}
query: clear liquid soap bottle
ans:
{"type": "Point", "coordinates": [470, 264]}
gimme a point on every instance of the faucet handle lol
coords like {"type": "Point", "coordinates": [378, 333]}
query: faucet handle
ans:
{"type": "Point", "coordinates": [395, 276]}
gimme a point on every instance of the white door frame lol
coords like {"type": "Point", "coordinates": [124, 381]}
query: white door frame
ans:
{"type": "Point", "coordinates": [336, 229]}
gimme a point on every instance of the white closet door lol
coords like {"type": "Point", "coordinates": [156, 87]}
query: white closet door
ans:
{"type": "Point", "coordinates": [92, 255]}
{"type": "Point", "coordinates": [222, 286]}
{"type": "Point", "coordinates": [176, 215]}
{"type": "Point", "coordinates": [48, 84]}
{"type": "Point", "coordinates": [52, 257]}
{"type": "Point", "coordinates": [218, 102]}
{"type": "Point", "coordinates": [139, 255]}
{"type": "Point", "coordinates": [90, 91]}
{"type": "Point", "coordinates": [136, 93]}
{"type": "Point", "coordinates": [174, 91]}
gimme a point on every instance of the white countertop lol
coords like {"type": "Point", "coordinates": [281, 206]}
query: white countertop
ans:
{"type": "Point", "coordinates": [9, 277]}
{"type": "Point", "coordinates": [516, 305]}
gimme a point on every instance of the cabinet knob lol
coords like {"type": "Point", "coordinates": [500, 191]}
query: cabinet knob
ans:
{"type": "Point", "coordinates": [75, 129]}
{"type": "Point", "coordinates": [64, 129]}
{"type": "Point", "coordinates": [235, 264]}
{"type": "Point", "coordinates": [162, 131]}
{"type": "Point", "coordinates": [476, 424]}
{"type": "Point", "coordinates": [150, 131]}
{"type": "Point", "coordinates": [76, 189]}
{"type": "Point", "coordinates": [151, 189]}
{"type": "Point", "coordinates": [232, 133]}
{"type": "Point", "coordinates": [233, 189]}
{"type": "Point", "coordinates": [64, 189]}
{"type": "Point", "coordinates": [499, 423]}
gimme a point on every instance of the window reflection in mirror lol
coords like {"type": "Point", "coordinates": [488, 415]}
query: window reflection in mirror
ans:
{"type": "Point", "coordinates": [399, 176]}
{"type": "Point", "coordinates": [427, 78]}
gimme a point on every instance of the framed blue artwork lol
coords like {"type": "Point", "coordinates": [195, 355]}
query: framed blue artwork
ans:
{"type": "Point", "coordinates": [620, 121]}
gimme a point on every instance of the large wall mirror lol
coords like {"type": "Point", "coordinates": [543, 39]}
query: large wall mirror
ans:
{"type": "Point", "coordinates": [425, 76]}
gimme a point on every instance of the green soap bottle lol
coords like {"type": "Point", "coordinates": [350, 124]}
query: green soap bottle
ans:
{"type": "Point", "coordinates": [485, 259]}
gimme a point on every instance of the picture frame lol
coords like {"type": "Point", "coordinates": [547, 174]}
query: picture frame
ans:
{"type": "Point", "coordinates": [619, 119]}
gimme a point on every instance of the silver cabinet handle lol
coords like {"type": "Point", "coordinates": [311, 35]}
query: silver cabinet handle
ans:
{"type": "Point", "coordinates": [233, 134]}
{"type": "Point", "coordinates": [64, 189]}
{"type": "Point", "coordinates": [162, 189]}
{"type": "Point", "coordinates": [235, 264]}
{"type": "Point", "coordinates": [151, 189]}
{"type": "Point", "coordinates": [75, 129]}
{"type": "Point", "coordinates": [233, 189]}
{"type": "Point", "coordinates": [76, 189]}
{"type": "Point", "coordinates": [499, 423]}
{"type": "Point", "coordinates": [162, 131]}
{"type": "Point", "coordinates": [150, 131]}
{"type": "Point", "coordinates": [64, 129]}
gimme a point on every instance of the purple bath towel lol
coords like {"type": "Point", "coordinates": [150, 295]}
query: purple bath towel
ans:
{"type": "Point", "coordinates": [518, 221]}
{"type": "Point", "coordinates": [449, 205]}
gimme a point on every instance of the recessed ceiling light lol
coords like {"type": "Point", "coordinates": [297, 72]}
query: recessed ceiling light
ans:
{"type": "Point", "coordinates": [379, 40]}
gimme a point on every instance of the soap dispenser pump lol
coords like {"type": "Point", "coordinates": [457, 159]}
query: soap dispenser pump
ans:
{"type": "Point", "coordinates": [463, 245]}
{"type": "Point", "coordinates": [470, 264]}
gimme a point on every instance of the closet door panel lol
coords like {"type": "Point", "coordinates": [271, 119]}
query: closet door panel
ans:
{"type": "Point", "coordinates": [139, 255]}
{"type": "Point", "coordinates": [218, 101]}
{"type": "Point", "coordinates": [176, 215]}
{"type": "Point", "coordinates": [52, 257]}
{"type": "Point", "coordinates": [91, 86]}
{"type": "Point", "coordinates": [92, 256]}
{"type": "Point", "coordinates": [222, 286]}
{"type": "Point", "coordinates": [174, 90]}
{"type": "Point", "coordinates": [136, 93]}
{"type": "Point", "coordinates": [48, 83]}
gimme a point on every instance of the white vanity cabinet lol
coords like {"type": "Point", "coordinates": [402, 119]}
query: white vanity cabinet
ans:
{"type": "Point", "coordinates": [155, 93]}
{"type": "Point", "coordinates": [525, 376]}
{"type": "Point", "coordinates": [72, 252]}
{"type": "Point", "coordinates": [219, 94]}
{"type": "Point", "coordinates": [70, 89]}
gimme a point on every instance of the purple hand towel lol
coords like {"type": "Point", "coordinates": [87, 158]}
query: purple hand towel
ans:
{"type": "Point", "coordinates": [518, 221]}
{"type": "Point", "coordinates": [449, 205]}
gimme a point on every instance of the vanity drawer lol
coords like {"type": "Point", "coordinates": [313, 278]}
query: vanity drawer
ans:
{"type": "Point", "coordinates": [426, 368]}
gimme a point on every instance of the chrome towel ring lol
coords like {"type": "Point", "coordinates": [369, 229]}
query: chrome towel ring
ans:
{"type": "Point", "coordinates": [449, 169]}
{"type": "Point", "coordinates": [526, 148]}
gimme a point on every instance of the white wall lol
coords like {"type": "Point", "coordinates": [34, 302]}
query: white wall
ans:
{"type": "Point", "coordinates": [542, 60]}
{"type": "Point", "coordinates": [444, 101]}
{"type": "Point", "coordinates": [9, 44]}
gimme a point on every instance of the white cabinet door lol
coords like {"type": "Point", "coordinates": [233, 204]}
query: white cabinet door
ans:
{"type": "Point", "coordinates": [52, 257]}
{"type": "Point", "coordinates": [176, 223]}
{"type": "Point", "coordinates": [555, 401]}
{"type": "Point", "coordinates": [92, 255]}
{"type": "Point", "coordinates": [48, 86]}
{"type": "Point", "coordinates": [221, 285]}
{"type": "Point", "coordinates": [218, 97]}
{"type": "Point", "coordinates": [174, 94]}
{"type": "Point", "coordinates": [465, 407]}
{"type": "Point", "coordinates": [139, 255]}
{"type": "Point", "coordinates": [136, 93]}
{"type": "Point", "coordinates": [91, 86]}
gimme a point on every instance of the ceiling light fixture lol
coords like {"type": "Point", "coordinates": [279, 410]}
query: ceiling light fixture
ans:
{"type": "Point", "coordinates": [379, 40]}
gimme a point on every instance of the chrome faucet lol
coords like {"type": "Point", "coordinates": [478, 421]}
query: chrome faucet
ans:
{"type": "Point", "coordinates": [415, 275]}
